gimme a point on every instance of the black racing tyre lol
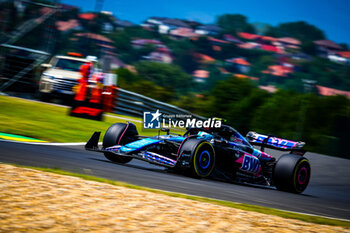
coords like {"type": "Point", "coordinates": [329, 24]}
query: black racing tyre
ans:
{"type": "Point", "coordinates": [202, 160]}
{"type": "Point", "coordinates": [119, 134]}
{"type": "Point", "coordinates": [292, 173]}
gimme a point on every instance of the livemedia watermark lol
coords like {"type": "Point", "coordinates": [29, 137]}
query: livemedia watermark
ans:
{"type": "Point", "coordinates": [157, 120]}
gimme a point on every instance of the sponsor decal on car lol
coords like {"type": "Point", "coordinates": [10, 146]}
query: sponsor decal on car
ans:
{"type": "Point", "coordinates": [277, 142]}
{"type": "Point", "coordinates": [250, 164]}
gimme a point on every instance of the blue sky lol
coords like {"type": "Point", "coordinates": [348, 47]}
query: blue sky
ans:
{"type": "Point", "coordinates": [332, 16]}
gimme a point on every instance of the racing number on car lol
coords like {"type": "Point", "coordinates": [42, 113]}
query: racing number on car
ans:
{"type": "Point", "coordinates": [250, 164]}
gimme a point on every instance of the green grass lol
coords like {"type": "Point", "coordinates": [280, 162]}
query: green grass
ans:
{"type": "Point", "coordinates": [130, 117]}
{"type": "Point", "coordinates": [259, 209]}
{"type": "Point", "coordinates": [52, 123]}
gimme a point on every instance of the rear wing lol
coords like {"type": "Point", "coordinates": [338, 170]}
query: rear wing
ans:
{"type": "Point", "coordinates": [275, 143]}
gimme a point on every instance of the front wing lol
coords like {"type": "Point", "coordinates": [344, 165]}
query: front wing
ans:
{"type": "Point", "coordinates": [151, 157]}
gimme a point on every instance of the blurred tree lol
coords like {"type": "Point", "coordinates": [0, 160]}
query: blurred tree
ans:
{"type": "Point", "coordinates": [295, 82]}
{"type": "Point", "coordinates": [125, 77]}
{"type": "Point", "coordinates": [233, 23]}
{"type": "Point", "coordinates": [203, 45]}
{"type": "Point", "coordinates": [321, 70]}
{"type": "Point", "coordinates": [195, 103]}
{"type": "Point", "coordinates": [279, 115]}
{"type": "Point", "coordinates": [327, 73]}
{"type": "Point", "coordinates": [183, 51]}
{"type": "Point", "coordinates": [261, 63]}
{"type": "Point", "coordinates": [344, 45]}
{"type": "Point", "coordinates": [300, 30]}
{"type": "Point", "coordinates": [139, 32]}
{"type": "Point", "coordinates": [165, 75]}
{"type": "Point", "coordinates": [241, 113]}
{"type": "Point", "coordinates": [286, 114]}
{"type": "Point", "coordinates": [231, 98]}
{"type": "Point", "coordinates": [133, 82]}
{"type": "Point", "coordinates": [321, 114]}
{"type": "Point", "coordinates": [148, 88]}
{"type": "Point", "coordinates": [309, 47]}
{"type": "Point", "coordinates": [227, 51]}
{"type": "Point", "coordinates": [215, 76]}
{"type": "Point", "coordinates": [232, 90]}
{"type": "Point", "coordinates": [187, 61]}
{"type": "Point", "coordinates": [122, 41]}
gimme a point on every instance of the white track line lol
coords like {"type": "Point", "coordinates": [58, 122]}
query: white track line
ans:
{"type": "Point", "coordinates": [124, 118]}
{"type": "Point", "coordinates": [50, 143]}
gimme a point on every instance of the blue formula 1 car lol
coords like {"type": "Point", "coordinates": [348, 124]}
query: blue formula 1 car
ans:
{"type": "Point", "coordinates": [200, 151]}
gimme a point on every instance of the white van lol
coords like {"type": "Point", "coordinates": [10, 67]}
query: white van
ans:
{"type": "Point", "coordinates": [61, 75]}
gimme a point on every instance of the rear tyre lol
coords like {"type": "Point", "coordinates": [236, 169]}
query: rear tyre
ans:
{"type": "Point", "coordinates": [292, 173]}
{"type": "Point", "coordinates": [202, 160]}
{"type": "Point", "coordinates": [119, 134]}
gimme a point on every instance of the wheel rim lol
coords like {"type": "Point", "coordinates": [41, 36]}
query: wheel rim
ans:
{"type": "Point", "coordinates": [302, 176]}
{"type": "Point", "coordinates": [204, 159]}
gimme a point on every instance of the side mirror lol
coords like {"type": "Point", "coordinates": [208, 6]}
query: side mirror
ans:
{"type": "Point", "coordinates": [46, 66]}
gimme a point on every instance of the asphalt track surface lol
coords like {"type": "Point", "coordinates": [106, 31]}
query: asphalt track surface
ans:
{"type": "Point", "coordinates": [328, 193]}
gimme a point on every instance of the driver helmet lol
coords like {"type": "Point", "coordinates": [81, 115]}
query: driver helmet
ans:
{"type": "Point", "coordinates": [235, 137]}
{"type": "Point", "coordinates": [205, 135]}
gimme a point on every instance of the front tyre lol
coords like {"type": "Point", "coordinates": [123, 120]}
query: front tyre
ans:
{"type": "Point", "coordinates": [292, 173]}
{"type": "Point", "coordinates": [119, 134]}
{"type": "Point", "coordinates": [202, 160]}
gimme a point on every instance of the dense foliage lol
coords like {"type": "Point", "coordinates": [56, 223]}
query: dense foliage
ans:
{"type": "Point", "coordinates": [287, 114]}
{"type": "Point", "coordinates": [300, 30]}
{"type": "Point", "coordinates": [290, 112]}
{"type": "Point", "coordinates": [233, 23]}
